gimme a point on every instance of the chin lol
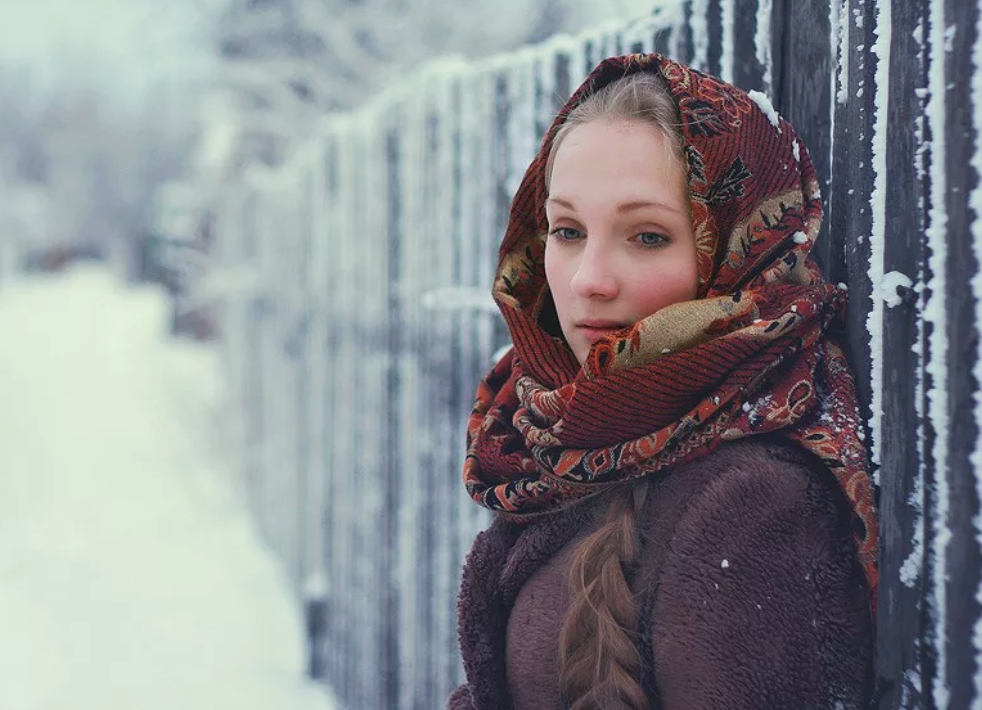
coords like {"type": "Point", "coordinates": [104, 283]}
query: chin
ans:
{"type": "Point", "coordinates": [581, 353]}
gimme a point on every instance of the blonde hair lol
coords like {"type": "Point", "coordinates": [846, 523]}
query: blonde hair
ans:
{"type": "Point", "coordinates": [642, 96]}
{"type": "Point", "coordinates": [600, 663]}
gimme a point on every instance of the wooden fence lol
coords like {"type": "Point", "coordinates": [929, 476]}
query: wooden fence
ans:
{"type": "Point", "coordinates": [357, 320]}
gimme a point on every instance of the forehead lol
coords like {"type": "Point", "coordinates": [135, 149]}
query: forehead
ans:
{"type": "Point", "coordinates": [621, 156]}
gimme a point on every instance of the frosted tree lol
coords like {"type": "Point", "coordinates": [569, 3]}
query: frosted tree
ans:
{"type": "Point", "coordinates": [286, 63]}
{"type": "Point", "coordinates": [93, 161]}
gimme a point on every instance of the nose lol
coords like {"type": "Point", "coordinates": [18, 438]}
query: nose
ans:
{"type": "Point", "coordinates": [595, 275]}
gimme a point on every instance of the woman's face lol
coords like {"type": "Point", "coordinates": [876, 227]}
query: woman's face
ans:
{"type": "Point", "coordinates": [621, 244]}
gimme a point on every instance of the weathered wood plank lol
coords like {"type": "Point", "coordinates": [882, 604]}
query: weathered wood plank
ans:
{"type": "Point", "coordinates": [900, 619]}
{"type": "Point", "coordinates": [748, 70]}
{"type": "Point", "coordinates": [714, 33]}
{"type": "Point", "coordinates": [850, 219]}
{"type": "Point", "coordinates": [804, 98]}
{"type": "Point", "coordinates": [965, 557]}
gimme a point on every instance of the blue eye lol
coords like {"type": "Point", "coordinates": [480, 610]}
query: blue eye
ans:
{"type": "Point", "coordinates": [652, 239]}
{"type": "Point", "coordinates": [566, 234]}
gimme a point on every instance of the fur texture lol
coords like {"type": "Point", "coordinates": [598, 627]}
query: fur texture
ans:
{"type": "Point", "coordinates": [749, 584]}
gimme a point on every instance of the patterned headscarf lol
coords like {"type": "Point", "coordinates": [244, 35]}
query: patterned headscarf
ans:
{"type": "Point", "coordinates": [757, 351]}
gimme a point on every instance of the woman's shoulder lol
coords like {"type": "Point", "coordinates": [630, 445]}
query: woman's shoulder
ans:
{"type": "Point", "coordinates": [764, 455]}
{"type": "Point", "coordinates": [756, 473]}
{"type": "Point", "coordinates": [749, 497]}
{"type": "Point", "coordinates": [759, 558]}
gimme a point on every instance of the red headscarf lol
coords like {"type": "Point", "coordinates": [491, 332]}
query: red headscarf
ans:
{"type": "Point", "coordinates": [757, 351]}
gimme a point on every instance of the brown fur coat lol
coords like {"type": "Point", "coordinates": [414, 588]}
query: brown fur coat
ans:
{"type": "Point", "coordinates": [750, 591]}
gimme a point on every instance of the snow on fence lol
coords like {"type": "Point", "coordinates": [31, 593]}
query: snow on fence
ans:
{"type": "Point", "coordinates": [357, 320]}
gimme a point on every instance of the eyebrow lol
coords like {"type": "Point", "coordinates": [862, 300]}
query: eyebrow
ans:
{"type": "Point", "coordinates": [621, 208]}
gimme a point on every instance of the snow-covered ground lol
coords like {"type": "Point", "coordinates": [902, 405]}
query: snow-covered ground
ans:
{"type": "Point", "coordinates": [130, 578]}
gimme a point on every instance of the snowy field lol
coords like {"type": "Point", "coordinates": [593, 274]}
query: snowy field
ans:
{"type": "Point", "coordinates": [130, 578]}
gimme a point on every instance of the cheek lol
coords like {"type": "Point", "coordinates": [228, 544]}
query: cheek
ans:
{"type": "Point", "coordinates": [556, 278]}
{"type": "Point", "coordinates": [654, 291]}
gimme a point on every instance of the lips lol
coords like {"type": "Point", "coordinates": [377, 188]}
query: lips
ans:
{"type": "Point", "coordinates": [593, 329]}
{"type": "Point", "coordinates": [599, 323]}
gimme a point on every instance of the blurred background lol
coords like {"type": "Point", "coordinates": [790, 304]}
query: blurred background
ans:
{"type": "Point", "coordinates": [137, 569]}
{"type": "Point", "coordinates": [122, 118]}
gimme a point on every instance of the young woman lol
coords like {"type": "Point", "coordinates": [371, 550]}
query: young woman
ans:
{"type": "Point", "coordinates": [684, 518]}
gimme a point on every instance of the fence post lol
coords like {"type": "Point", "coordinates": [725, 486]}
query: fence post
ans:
{"type": "Point", "coordinates": [960, 627]}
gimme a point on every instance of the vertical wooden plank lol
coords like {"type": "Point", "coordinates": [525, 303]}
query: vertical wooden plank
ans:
{"type": "Point", "coordinates": [284, 483]}
{"type": "Point", "coordinates": [714, 36]}
{"type": "Point", "coordinates": [608, 45]}
{"type": "Point", "coordinates": [964, 562]}
{"type": "Point", "coordinates": [254, 336]}
{"type": "Point", "coordinates": [803, 96]}
{"type": "Point", "coordinates": [374, 382]}
{"type": "Point", "coordinates": [664, 37]}
{"type": "Point", "coordinates": [502, 142]}
{"type": "Point", "coordinates": [544, 89]}
{"type": "Point", "coordinates": [464, 238]}
{"type": "Point", "coordinates": [849, 218]}
{"type": "Point", "coordinates": [973, 83]}
{"type": "Point", "coordinates": [848, 188]}
{"type": "Point", "coordinates": [304, 381]}
{"type": "Point", "coordinates": [701, 34]}
{"type": "Point", "coordinates": [389, 323]}
{"type": "Point", "coordinates": [523, 117]}
{"type": "Point", "coordinates": [377, 196]}
{"type": "Point", "coordinates": [522, 145]}
{"type": "Point", "coordinates": [751, 30]}
{"type": "Point", "coordinates": [428, 405]}
{"type": "Point", "coordinates": [317, 588]}
{"type": "Point", "coordinates": [301, 378]}
{"type": "Point", "coordinates": [449, 421]}
{"type": "Point", "coordinates": [230, 241]}
{"type": "Point", "coordinates": [343, 464]}
{"type": "Point", "coordinates": [477, 246]}
{"type": "Point", "coordinates": [371, 320]}
{"type": "Point", "coordinates": [367, 502]}
{"type": "Point", "coordinates": [276, 486]}
{"type": "Point", "coordinates": [937, 426]}
{"type": "Point", "coordinates": [460, 383]}
{"type": "Point", "coordinates": [362, 412]}
{"type": "Point", "coordinates": [417, 270]}
{"type": "Point", "coordinates": [399, 388]}
{"type": "Point", "coordinates": [727, 40]}
{"type": "Point", "coordinates": [634, 37]}
{"type": "Point", "coordinates": [562, 83]}
{"type": "Point", "coordinates": [780, 21]}
{"type": "Point", "coordinates": [360, 595]}
{"type": "Point", "coordinates": [359, 632]}
{"type": "Point", "coordinates": [493, 219]}
{"type": "Point", "coordinates": [412, 135]}
{"type": "Point", "coordinates": [279, 485]}
{"type": "Point", "coordinates": [265, 362]}
{"type": "Point", "coordinates": [394, 469]}
{"type": "Point", "coordinates": [899, 621]}
{"type": "Point", "coordinates": [684, 37]}
{"type": "Point", "coordinates": [328, 265]}
{"type": "Point", "coordinates": [269, 364]}
{"type": "Point", "coordinates": [590, 55]}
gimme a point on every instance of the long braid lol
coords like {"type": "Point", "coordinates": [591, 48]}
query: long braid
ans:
{"type": "Point", "coordinates": [600, 665]}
